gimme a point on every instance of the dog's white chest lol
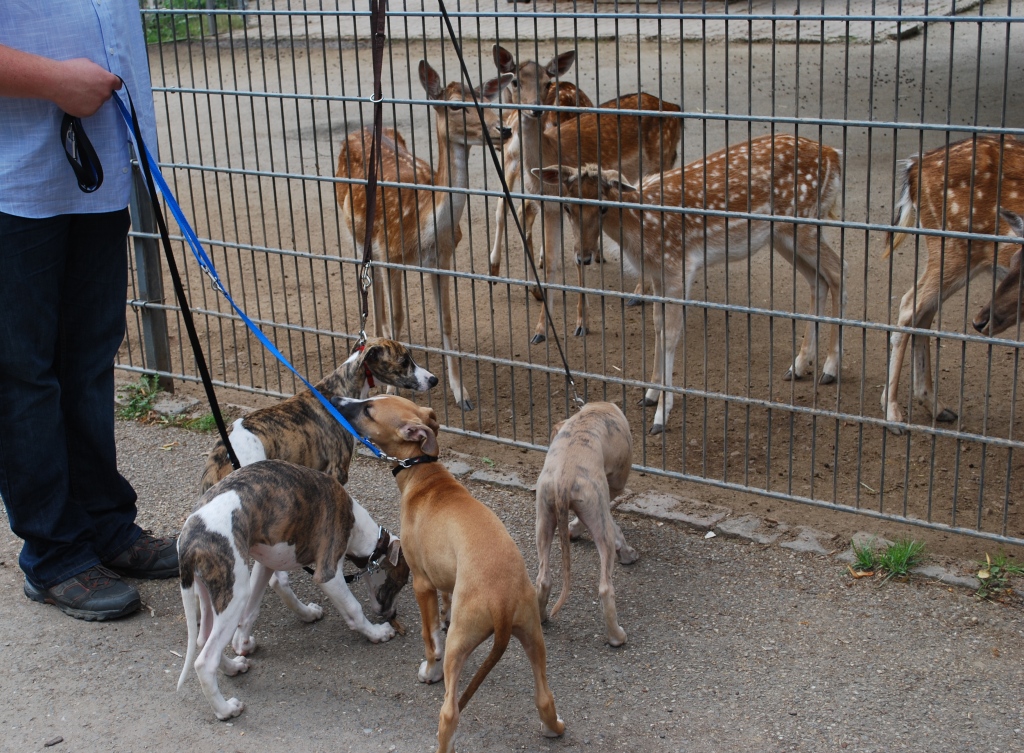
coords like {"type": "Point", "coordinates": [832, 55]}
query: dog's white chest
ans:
{"type": "Point", "coordinates": [277, 557]}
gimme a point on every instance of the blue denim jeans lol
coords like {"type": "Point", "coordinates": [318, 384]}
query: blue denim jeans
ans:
{"type": "Point", "coordinates": [62, 318]}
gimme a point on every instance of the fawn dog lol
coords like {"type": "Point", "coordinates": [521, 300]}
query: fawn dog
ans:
{"type": "Point", "coordinates": [455, 544]}
{"type": "Point", "coordinates": [586, 467]}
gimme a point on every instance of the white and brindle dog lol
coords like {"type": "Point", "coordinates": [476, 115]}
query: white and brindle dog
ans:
{"type": "Point", "coordinates": [457, 545]}
{"type": "Point", "coordinates": [284, 516]}
{"type": "Point", "coordinates": [586, 467]}
{"type": "Point", "coordinates": [302, 431]}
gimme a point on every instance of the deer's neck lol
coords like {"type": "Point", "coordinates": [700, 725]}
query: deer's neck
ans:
{"type": "Point", "coordinates": [452, 170]}
{"type": "Point", "coordinates": [625, 226]}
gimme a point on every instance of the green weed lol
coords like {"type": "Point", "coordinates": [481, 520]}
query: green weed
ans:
{"type": "Point", "coordinates": [139, 397]}
{"type": "Point", "coordinates": [994, 576]}
{"type": "Point", "coordinates": [899, 557]}
{"type": "Point", "coordinates": [866, 557]}
{"type": "Point", "coordinates": [174, 27]}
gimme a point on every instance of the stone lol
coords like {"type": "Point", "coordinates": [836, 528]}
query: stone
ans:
{"type": "Point", "coordinates": [173, 405]}
{"type": "Point", "coordinates": [752, 528]}
{"type": "Point", "coordinates": [502, 479]}
{"type": "Point", "coordinates": [691, 512]}
{"type": "Point", "coordinates": [458, 467]}
{"type": "Point", "coordinates": [944, 575]}
{"type": "Point", "coordinates": [810, 540]}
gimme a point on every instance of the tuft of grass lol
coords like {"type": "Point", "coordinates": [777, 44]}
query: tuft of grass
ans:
{"type": "Point", "coordinates": [139, 397]}
{"type": "Point", "coordinates": [899, 557]}
{"type": "Point", "coordinates": [994, 576]}
{"type": "Point", "coordinates": [866, 557]}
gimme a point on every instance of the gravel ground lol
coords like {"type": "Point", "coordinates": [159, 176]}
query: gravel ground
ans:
{"type": "Point", "coordinates": [732, 647]}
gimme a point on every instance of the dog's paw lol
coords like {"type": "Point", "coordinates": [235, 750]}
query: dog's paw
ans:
{"type": "Point", "coordinates": [232, 708]}
{"type": "Point", "coordinates": [617, 637]}
{"type": "Point", "coordinates": [380, 633]}
{"type": "Point", "coordinates": [558, 731]}
{"type": "Point", "coordinates": [628, 555]}
{"type": "Point", "coordinates": [311, 613]}
{"type": "Point", "coordinates": [235, 666]}
{"type": "Point", "coordinates": [243, 645]}
{"type": "Point", "coordinates": [431, 675]}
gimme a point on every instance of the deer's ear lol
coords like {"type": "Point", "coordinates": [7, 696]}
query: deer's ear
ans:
{"type": "Point", "coordinates": [1014, 221]}
{"type": "Point", "coordinates": [430, 80]}
{"type": "Point", "coordinates": [492, 88]}
{"type": "Point", "coordinates": [504, 60]}
{"type": "Point", "coordinates": [556, 174]}
{"type": "Point", "coordinates": [615, 184]}
{"type": "Point", "coordinates": [560, 65]}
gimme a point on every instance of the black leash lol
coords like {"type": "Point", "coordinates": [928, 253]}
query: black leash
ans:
{"type": "Point", "coordinates": [378, 22]}
{"type": "Point", "coordinates": [179, 290]}
{"type": "Point", "coordinates": [508, 201]}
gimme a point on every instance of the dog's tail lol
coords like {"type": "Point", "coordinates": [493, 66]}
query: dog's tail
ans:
{"type": "Point", "coordinates": [562, 521]}
{"type": "Point", "coordinates": [502, 635]}
{"type": "Point", "coordinates": [188, 601]}
{"type": "Point", "coordinates": [217, 466]}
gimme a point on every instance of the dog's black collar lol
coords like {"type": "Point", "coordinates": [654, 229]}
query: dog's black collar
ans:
{"type": "Point", "coordinates": [369, 564]}
{"type": "Point", "coordinates": [410, 462]}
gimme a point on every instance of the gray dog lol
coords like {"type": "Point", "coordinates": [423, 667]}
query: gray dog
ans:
{"type": "Point", "coordinates": [586, 467]}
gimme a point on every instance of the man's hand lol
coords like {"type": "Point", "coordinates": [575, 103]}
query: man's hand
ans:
{"type": "Point", "coordinates": [79, 87]}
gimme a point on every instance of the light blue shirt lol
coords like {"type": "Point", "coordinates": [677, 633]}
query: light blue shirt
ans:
{"type": "Point", "coordinates": [35, 177]}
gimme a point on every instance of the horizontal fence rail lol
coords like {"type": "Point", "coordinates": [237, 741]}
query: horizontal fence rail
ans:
{"type": "Point", "coordinates": [911, 130]}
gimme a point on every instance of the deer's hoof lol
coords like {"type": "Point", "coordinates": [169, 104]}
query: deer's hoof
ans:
{"type": "Point", "coordinates": [538, 339]}
{"type": "Point", "coordinates": [646, 402]}
{"type": "Point", "coordinates": [657, 429]}
{"type": "Point", "coordinates": [580, 331]}
{"type": "Point", "coordinates": [633, 302]}
{"type": "Point", "coordinates": [827, 378]}
{"type": "Point", "coordinates": [946, 416]}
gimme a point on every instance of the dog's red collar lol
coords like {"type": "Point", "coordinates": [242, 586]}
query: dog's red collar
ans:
{"type": "Point", "coordinates": [410, 462]}
{"type": "Point", "coordinates": [366, 369]}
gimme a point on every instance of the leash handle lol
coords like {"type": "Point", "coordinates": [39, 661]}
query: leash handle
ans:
{"type": "Point", "coordinates": [155, 180]}
{"type": "Point", "coordinates": [378, 22]}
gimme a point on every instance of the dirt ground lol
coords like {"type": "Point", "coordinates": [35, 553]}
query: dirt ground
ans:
{"type": "Point", "coordinates": [733, 428]}
{"type": "Point", "coordinates": [731, 648]}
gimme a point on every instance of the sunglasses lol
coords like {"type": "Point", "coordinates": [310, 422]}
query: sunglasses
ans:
{"type": "Point", "coordinates": [80, 154]}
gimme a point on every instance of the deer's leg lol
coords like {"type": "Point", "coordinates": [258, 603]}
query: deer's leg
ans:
{"type": "Point", "coordinates": [553, 256]}
{"type": "Point", "coordinates": [672, 328]}
{"type": "Point", "coordinates": [442, 299]}
{"type": "Point", "coordinates": [511, 178]}
{"type": "Point", "coordinates": [581, 303]}
{"type": "Point", "coordinates": [822, 269]}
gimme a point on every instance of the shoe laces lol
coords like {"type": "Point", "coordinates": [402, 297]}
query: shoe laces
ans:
{"type": "Point", "coordinates": [98, 577]}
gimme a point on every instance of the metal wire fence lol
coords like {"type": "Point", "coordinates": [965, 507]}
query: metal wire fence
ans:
{"type": "Point", "coordinates": [255, 105]}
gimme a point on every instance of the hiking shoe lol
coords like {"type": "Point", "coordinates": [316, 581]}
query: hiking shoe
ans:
{"type": "Point", "coordinates": [150, 557]}
{"type": "Point", "coordinates": [96, 594]}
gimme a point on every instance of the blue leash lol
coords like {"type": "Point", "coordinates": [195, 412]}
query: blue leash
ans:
{"type": "Point", "coordinates": [206, 264]}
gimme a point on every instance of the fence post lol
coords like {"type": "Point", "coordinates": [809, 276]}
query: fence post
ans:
{"type": "Point", "coordinates": [156, 346]}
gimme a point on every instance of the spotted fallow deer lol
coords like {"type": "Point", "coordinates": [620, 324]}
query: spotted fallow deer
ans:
{"type": "Point", "coordinates": [956, 188]}
{"type": "Point", "coordinates": [533, 85]}
{"type": "Point", "coordinates": [420, 226]}
{"type": "Point", "coordinates": [632, 145]}
{"type": "Point", "coordinates": [1004, 310]}
{"type": "Point", "coordinates": [778, 176]}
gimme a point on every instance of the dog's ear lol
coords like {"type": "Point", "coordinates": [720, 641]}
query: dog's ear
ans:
{"type": "Point", "coordinates": [428, 417]}
{"type": "Point", "coordinates": [422, 434]}
{"type": "Point", "coordinates": [394, 550]}
{"type": "Point", "coordinates": [556, 428]}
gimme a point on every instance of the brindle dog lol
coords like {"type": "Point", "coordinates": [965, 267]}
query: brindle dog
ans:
{"type": "Point", "coordinates": [301, 431]}
{"type": "Point", "coordinates": [284, 516]}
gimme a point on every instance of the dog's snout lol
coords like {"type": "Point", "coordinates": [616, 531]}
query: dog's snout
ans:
{"type": "Point", "coordinates": [432, 381]}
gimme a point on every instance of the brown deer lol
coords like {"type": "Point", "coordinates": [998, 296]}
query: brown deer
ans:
{"type": "Point", "coordinates": [420, 226]}
{"type": "Point", "coordinates": [1003, 311]}
{"type": "Point", "coordinates": [632, 145]}
{"type": "Point", "coordinates": [532, 85]}
{"type": "Point", "coordinates": [937, 189]}
{"type": "Point", "coordinates": [777, 176]}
